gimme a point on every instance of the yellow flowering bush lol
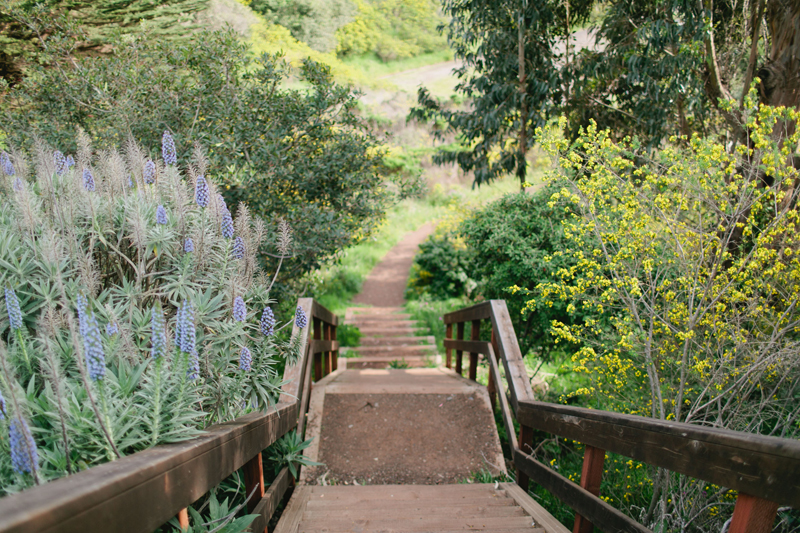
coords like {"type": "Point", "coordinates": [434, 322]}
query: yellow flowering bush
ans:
{"type": "Point", "coordinates": [693, 254]}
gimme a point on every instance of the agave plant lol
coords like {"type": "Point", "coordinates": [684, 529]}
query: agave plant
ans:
{"type": "Point", "coordinates": [134, 308]}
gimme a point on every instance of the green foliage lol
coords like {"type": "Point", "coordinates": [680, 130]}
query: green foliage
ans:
{"type": "Point", "coordinates": [312, 21]}
{"type": "Point", "coordinates": [288, 452]}
{"type": "Point", "coordinates": [219, 519]}
{"type": "Point", "coordinates": [348, 335]}
{"type": "Point", "coordinates": [485, 36]}
{"type": "Point", "coordinates": [440, 268]}
{"type": "Point", "coordinates": [91, 396]}
{"type": "Point", "coordinates": [305, 155]}
{"type": "Point", "coordinates": [392, 29]}
{"type": "Point", "coordinates": [398, 363]}
{"type": "Point", "coordinates": [428, 314]}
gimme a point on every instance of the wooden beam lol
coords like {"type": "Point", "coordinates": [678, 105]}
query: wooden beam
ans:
{"type": "Point", "coordinates": [163, 480]}
{"type": "Point", "coordinates": [459, 353]}
{"type": "Point", "coordinates": [468, 346]}
{"type": "Point", "coordinates": [753, 515]}
{"type": "Point", "coordinates": [591, 476]}
{"type": "Point", "coordinates": [447, 350]}
{"type": "Point", "coordinates": [254, 480]}
{"type": "Point", "coordinates": [526, 445]}
{"type": "Point", "coordinates": [508, 352]}
{"type": "Point", "coordinates": [266, 506]}
{"type": "Point", "coordinates": [479, 311]}
{"type": "Point", "coordinates": [601, 514]}
{"type": "Point", "coordinates": [475, 336]}
{"type": "Point", "coordinates": [766, 467]}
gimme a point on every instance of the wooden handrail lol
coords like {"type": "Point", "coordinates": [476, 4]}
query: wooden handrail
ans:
{"type": "Point", "coordinates": [765, 470]}
{"type": "Point", "coordinates": [139, 493]}
{"type": "Point", "coordinates": [766, 467]}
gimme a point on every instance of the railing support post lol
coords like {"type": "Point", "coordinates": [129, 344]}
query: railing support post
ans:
{"type": "Point", "coordinates": [254, 480]}
{"type": "Point", "coordinates": [526, 445]}
{"type": "Point", "coordinates": [317, 356]}
{"type": "Point", "coordinates": [328, 355]}
{"type": "Point", "coordinates": [459, 353]}
{"type": "Point", "coordinates": [753, 515]}
{"type": "Point", "coordinates": [591, 476]}
{"type": "Point", "coordinates": [474, 335]}
{"type": "Point", "coordinates": [448, 352]}
{"type": "Point", "coordinates": [335, 353]}
{"type": "Point", "coordinates": [492, 386]}
{"type": "Point", "coordinates": [183, 519]}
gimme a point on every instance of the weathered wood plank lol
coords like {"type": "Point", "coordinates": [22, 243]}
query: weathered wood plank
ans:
{"type": "Point", "coordinates": [141, 492]}
{"type": "Point", "coordinates": [591, 477]}
{"type": "Point", "coordinates": [254, 480]}
{"type": "Point", "coordinates": [540, 515]}
{"type": "Point", "coordinates": [293, 374]}
{"type": "Point", "coordinates": [508, 351]}
{"type": "Point", "coordinates": [481, 347]}
{"type": "Point", "coordinates": [479, 311]}
{"type": "Point", "coordinates": [318, 311]}
{"type": "Point", "coordinates": [753, 515]}
{"type": "Point", "coordinates": [265, 507]}
{"type": "Point", "coordinates": [504, 408]}
{"type": "Point", "coordinates": [766, 467]}
{"type": "Point", "coordinates": [319, 346]}
{"type": "Point", "coordinates": [601, 514]}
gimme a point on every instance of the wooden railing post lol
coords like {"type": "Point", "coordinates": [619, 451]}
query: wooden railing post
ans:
{"type": "Point", "coordinates": [328, 355]}
{"type": "Point", "coordinates": [492, 386]}
{"type": "Point", "coordinates": [475, 335]}
{"type": "Point", "coordinates": [448, 352]}
{"type": "Point", "coordinates": [317, 356]}
{"type": "Point", "coordinates": [254, 480]}
{"type": "Point", "coordinates": [335, 353]}
{"type": "Point", "coordinates": [459, 353]}
{"type": "Point", "coordinates": [753, 515]}
{"type": "Point", "coordinates": [591, 476]}
{"type": "Point", "coordinates": [526, 445]}
{"type": "Point", "coordinates": [183, 519]}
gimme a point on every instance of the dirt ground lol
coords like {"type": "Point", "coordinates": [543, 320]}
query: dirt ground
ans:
{"type": "Point", "coordinates": [428, 439]}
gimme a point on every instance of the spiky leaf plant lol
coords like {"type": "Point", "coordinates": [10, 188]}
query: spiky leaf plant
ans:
{"type": "Point", "coordinates": [125, 308]}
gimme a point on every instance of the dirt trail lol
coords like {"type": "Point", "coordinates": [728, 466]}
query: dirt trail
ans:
{"type": "Point", "coordinates": [385, 285]}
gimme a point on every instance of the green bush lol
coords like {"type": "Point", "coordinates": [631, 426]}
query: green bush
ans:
{"type": "Point", "coordinates": [348, 335]}
{"type": "Point", "coordinates": [312, 21]}
{"type": "Point", "coordinates": [127, 290]}
{"type": "Point", "coordinates": [440, 268]}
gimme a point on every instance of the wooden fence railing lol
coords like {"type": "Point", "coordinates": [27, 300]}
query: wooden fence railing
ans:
{"type": "Point", "coordinates": [764, 470]}
{"type": "Point", "coordinates": [140, 492]}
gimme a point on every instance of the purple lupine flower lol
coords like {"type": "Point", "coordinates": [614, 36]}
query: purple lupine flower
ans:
{"type": "Point", "coordinates": [24, 457]}
{"type": "Point", "coordinates": [161, 215]}
{"type": "Point", "coordinates": [158, 334]}
{"type": "Point", "coordinates": [112, 329]}
{"type": "Point", "coordinates": [6, 164]}
{"type": "Point", "coordinates": [194, 366]}
{"type": "Point", "coordinates": [222, 205]}
{"type": "Point", "coordinates": [149, 173]}
{"type": "Point", "coordinates": [245, 359]}
{"type": "Point", "coordinates": [188, 246]}
{"type": "Point", "coordinates": [185, 332]}
{"type": "Point", "coordinates": [93, 347]}
{"type": "Point", "coordinates": [17, 185]}
{"type": "Point", "coordinates": [14, 312]}
{"type": "Point", "coordinates": [267, 322]}
{"type": "Point", "coordinates": [88, 180]}
{"type": "Point", "coordinates": [238, 248]}
{"type": "Point", "coordinates": [168, 149]}
{"type": "Point", "coordinates": [70, 161]}
{"type": "Point", "coordinates": [2, 406]}
{"type": "Point", "coordinates": [300, 318]}
{"type": "Point", "coordinates": [60, 162]}
{"type": "Point", "coordinates": [239, 309]}
{"type": "Point", "coordinates": [201, 191]}
{"type": "Point", "coordinates": [227, 224]}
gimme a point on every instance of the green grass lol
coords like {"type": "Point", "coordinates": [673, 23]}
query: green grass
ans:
{"type": "Point", "coordinates": [371, 65]}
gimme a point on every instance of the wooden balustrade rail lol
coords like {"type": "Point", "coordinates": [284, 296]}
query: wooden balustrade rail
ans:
{"type": "Point", "coordinates": [140, 492]}
{"type": "Point", "coordinates": [764, 470]}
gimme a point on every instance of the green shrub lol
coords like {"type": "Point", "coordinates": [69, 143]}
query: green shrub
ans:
{"type": "Point", "coordinates": [127, 290]}
{"type": "Point", "coordinates": [348, 335]}
{"type": "Point", "coordinates": [312, 21]}
{"type": "Point", "coordinates": [440, 268]}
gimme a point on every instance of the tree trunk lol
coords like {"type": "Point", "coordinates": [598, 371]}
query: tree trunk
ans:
{"type": "Point", "coordinates": [780, 74]}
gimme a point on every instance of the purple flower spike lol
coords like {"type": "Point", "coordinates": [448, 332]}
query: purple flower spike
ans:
{"type": "Point", "coordinates": [24, 457]}
{"type": "Point", "coordinates": [6, 164]}
{"type": "Point", "coordinates": [158, 336]}
{"type": "Point", "coordinates": [201, 192]}
{"type": "Point", "coordinates": [168, 149]}
{"type": "Point", "coordinates": [188, 246]}
{"type": "Point", "coordinates": [93, 347]}
{"type": "Point", "coordinates": [14, 312]}
{"type": "Point", "coordinates": [227, 224]}
{"type": "Point", "coordinates": [238, 248]}
{"type": "Point", "coordinates": [245, 359]}
{"type": "Point", "coordinates": [88, 180]}
{"type": "Point", "coordinates": [267, 322]}
{"type": "Point", "coordinates": [112, 329]}
{"type": "Point", "coordinates": [239, 309]}
{"type": "Point", "coordinates": [2, 406]}
{"type": "Point", "coordinates": [185, 333]}
{"type": "Point", "coordinates": [300, 318]}
{"type": "Point", "coordinates": [70, 161]}
{"type": "Point", "coordinates": [194, 366]}
{"type": "Point", "coordinates": [60, 162]}
{"type": "Point", "coordinates": [161, 215]}
{"type": "Point", "coordinates": [149, 173]}
{"type": "Point", "coordinates": [17, 185]}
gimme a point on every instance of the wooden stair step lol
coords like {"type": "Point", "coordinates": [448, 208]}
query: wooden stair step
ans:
{"type": "Point", "coordinates": [419, 349]}
{"type": "Point", "coordinates": [418, 524]}
{"type": "Point", "coordinates": [472, 511]}
{"type": "Point", "coordinates": [411, 340]}
{"type": "Point", "coordinates": [377, 317]}
{"type": "Point", "coordinates": [375, 362]}
{"type": "Point", "coordinates": [393, 492]}
{"type": "Point", "coordinates": [373, 332]}
{"type": "Point", "coordinates": [410, 505]}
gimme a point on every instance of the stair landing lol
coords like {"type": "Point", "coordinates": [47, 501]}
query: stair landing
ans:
{"type": "Point", "coordinates": [390, 426]}
{"type": "Point", "coordinates": [412, 508]}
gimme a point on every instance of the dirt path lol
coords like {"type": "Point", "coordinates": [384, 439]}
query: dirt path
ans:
{"type": "Point", "coordinates": [385, 285]}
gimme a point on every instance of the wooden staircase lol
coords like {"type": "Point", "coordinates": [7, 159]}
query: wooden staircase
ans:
{"type": "Point", "coordinates": [388, 335]}
{"type": "Point", "coordinates": [500, 507]}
